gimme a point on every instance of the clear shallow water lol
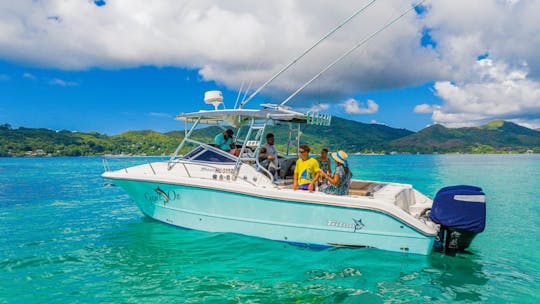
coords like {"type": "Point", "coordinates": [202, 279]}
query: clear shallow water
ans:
{"type": "Point", "coordinates": [64, 238]}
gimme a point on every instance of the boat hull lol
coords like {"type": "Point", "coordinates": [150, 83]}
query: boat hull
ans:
{"type": "Point", "coordinates": [276, 219]}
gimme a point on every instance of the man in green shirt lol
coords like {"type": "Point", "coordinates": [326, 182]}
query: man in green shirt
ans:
{"type": "Point", "coordinates": [225, 140]}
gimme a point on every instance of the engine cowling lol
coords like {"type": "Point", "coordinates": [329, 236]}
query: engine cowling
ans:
{"type": "Point", "coordinates": [461, 213]}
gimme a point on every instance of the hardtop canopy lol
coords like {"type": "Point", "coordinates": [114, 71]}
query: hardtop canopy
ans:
{"type": "Point", "coordinates": [238, 117]}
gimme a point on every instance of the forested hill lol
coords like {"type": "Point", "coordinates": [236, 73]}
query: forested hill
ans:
{"type": "Point", "coordinates": [496, 136]}
{"type": "Point", "coordinates": [351, 136]}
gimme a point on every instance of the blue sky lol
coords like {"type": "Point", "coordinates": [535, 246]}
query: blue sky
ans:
{"type": "Point", "coordinates": [118, 65]}
{"type": "Point", "coordinates": [113, 101]}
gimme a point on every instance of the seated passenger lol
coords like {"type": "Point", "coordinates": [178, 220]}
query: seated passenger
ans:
{"type": "Point", "coordinates": [340, 182]}
{"type": "Point", "coordinates": [269, 158]}
{"type": "Point", "coordinates": [271, 151]}
{"type": "Point", "coordinates": [262, 155]}
{"type": "Point", "coordinates": [235, 150]}
{"type": "Point", "coordinates": [224, 140]}
{"type": "Point", "coordinates": [305, 170]}
{"type": "Point", "coordinates": [266, 160]}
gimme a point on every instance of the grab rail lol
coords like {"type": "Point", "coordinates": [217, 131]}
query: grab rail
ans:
{"type": "Point", "coordinates": [125, 163]}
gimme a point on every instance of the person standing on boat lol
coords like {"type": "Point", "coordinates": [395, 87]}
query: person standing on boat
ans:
{"type": "Point", "coordinates": [324, 164]}
{"type": "Point", "coordinates": [340, 182]}
{"type": "Point", "coordinates": [324, 161]}
{"type": "Point", "coordinates": [305, 170]}
{"type": "Point", "coordinates": [224, 140]}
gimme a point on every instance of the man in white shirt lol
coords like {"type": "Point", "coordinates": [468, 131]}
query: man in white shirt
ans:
{"type": "Point", "coordinates": [271, 152]}
{"type": "Point", "coordinates": [271, 162]}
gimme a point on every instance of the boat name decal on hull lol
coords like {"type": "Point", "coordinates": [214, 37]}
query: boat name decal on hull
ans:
{"type": "Point", "coordinates": [161, 196]}
{"type": "Point", "coordinates": [356, 225]}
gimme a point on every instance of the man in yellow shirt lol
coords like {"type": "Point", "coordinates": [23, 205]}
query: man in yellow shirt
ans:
{"type": "Point", "coordinates": [305, 170]}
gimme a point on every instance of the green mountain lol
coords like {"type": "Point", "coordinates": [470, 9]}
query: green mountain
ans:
{"type": "Point", "coordinates": [38, 142]}
{"type": "Point", "coordinates": [495, 136]}
{"type": "Point", "coordinates": [351, 136]}
{"type": "Point", "coordinates": [342, 134]}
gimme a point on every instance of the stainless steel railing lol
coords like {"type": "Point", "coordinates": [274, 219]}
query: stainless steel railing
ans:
{"type": "Point", "coordinates": [113, 163]}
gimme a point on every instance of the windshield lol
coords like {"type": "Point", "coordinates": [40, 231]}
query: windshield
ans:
{"type": "Point", "coordinates": [203, 154]}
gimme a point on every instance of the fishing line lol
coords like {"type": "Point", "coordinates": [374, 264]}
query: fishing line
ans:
{"type": "Point", "coordinates": [350, 51]}
{"type": "Point", "coordinates": [239, 93]}
{"type": "Point", "coordinates": [305, 52]}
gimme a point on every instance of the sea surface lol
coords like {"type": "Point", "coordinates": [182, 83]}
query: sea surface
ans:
{"type": "Point", "coordinates": [66, 236]}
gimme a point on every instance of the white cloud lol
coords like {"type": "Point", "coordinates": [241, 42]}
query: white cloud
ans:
{"type": "Point", "coordinates": [352, 106]}
{"type": "Point", "coordinates": [29, 76]}
{"type": "Point", "coordinates": [505, 85]}
{"type": "Point", "coordinates": [529, 123]}
{"type": "Point", "coordinates": [232, 41]}
{"type": "Point", "coordinates": [227, 41]}
{"type": "Point", "coordinates": [63, 83]}
{"type": "Point", "coordinates": [495, 91]}
{"type": "Point", "coordinates": [423, 108]}
{"type": "Point", "coordinates": [319, 107]}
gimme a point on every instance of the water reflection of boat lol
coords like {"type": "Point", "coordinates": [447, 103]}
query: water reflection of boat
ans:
{"type": "Point", "coordinates": [456, 277]}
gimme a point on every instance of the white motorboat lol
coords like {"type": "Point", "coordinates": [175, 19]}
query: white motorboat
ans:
{"type": "Point", "coordinates": [212, 190]}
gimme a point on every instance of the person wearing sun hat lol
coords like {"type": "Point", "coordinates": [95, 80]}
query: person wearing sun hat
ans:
{"type": "Point", "coordinates": [340, 182]}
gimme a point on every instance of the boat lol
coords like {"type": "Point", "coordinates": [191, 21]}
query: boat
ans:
{"type": "Point", "coordinates": [213, 190]}
{"type": "Point", "coordinates": [204, 188]}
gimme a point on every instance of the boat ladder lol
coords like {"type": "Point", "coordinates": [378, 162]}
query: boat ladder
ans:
{"type": "Point", "coordinates": [252, 141]}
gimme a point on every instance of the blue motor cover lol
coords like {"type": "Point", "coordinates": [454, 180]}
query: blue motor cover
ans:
{"type": "Point", "coordinates": [461, 207]}
{"type": "Point", "coordinates": [459, 187]}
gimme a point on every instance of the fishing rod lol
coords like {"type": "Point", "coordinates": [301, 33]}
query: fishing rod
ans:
{"type": "Point", "coordinates": [244, 102]}
{"type": "Point", "coordinates": [350, 51]}
{"type": "Point", "coordinates": [239, 93]}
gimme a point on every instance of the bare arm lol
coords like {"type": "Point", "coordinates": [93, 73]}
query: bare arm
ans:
{"type": "Point", "coordinates": [334, 180]}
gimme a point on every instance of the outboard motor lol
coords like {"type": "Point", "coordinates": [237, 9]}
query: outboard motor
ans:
{"type": "Point", "coordinates": [461, 212]}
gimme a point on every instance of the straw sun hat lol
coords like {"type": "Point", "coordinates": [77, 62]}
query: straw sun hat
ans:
{"type": "Point", "coordinates": [340, 157]}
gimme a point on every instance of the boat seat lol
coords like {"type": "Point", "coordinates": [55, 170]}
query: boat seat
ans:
{"type": "Point", "coordinates": [359, 185]}
{"type": "Point", "coordinates": [359, 192]}
{"type": "Point", "coordinates": [361, 188]}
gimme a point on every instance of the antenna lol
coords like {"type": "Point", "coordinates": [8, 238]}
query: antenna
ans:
{"type": "Point", "coordinates": [239, 93]}
{"type": "Point", "coordinates": [305, 52]}
{"type": "Point", "coordinates": [349, 52]}
{"type": "Point", "coordinates": [245, 93]}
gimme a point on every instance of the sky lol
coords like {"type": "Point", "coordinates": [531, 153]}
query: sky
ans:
{"type": "Point", "coordinates": [117, 65]}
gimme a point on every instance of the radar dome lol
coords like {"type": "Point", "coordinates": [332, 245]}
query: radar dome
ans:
{"type": "Point", "coordinates": [213, 97]}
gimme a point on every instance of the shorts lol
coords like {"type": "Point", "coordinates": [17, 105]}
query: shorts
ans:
{"type": "Point", "coordinates": [303, 187]}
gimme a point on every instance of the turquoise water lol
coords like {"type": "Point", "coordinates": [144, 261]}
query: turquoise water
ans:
{"type": "Point", "coordinates": [65, 237]}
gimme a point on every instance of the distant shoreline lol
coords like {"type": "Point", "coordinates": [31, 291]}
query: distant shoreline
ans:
{"type": "Point", "coordinates": [354, 137]}
{"type": "Point", "coordinates": [313, 155]}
